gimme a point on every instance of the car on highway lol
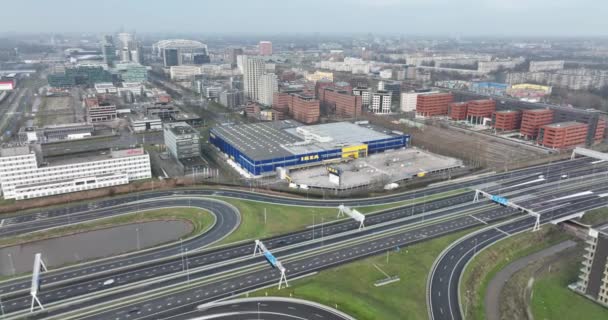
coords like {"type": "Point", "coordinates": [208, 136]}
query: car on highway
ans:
{"type": "Point", "coordinates": [108, 282]}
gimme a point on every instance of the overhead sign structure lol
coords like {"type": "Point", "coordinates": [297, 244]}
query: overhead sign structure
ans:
{"type": "Point", "coordinates": [505, 202]}
{"type": "Point", "coordinates": [353, 213]}
{"type": "Point", "coordinates": [274, 262]}
{"type": "Point", "coordinates": [36, 280]}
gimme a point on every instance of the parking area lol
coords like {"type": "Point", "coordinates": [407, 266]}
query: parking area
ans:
{"type": "Point", "coordinates": [383, 168]}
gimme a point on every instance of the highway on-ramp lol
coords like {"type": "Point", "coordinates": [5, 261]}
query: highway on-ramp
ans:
{"type": "Point", "coordinates": [444, 277]}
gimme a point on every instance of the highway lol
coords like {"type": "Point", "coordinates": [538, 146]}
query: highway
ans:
{"type": "Point", "coordinates": [62, 285]}
{"type": "Point", "coordinates": [444, 278]}
{"type": "Point", "coordinates": [412, 210]}
{"type": "Point", "coordinates": [388, 241]}
{"type": "Point", "coordinates": [166, 306]}
{"type": "Point", "coordinates": [269, 308]}
{"type": "Point", "coordinates": [19, 223]}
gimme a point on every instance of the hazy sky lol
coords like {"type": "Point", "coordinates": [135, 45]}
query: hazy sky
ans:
{"type": "Point", "coordinates": [449, 17]}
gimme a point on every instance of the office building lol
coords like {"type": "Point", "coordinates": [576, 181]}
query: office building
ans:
{"type": "Point", "coordinates": [23, 175]}
{"type": "Point", "coordinates": [232, 98]}
{"type": "Point", "coordinates": [409, 101]}
{"type": "Point", "coordinates": [365, 93]}
{"type": "Point", "coordinates": [381, 102]}
{"type": "Point", "coordinates": [142, 123]}
{"type": "Point", "coordinates": [184, 72]}
{"type": "Point", "coordinates": [70, 131]}
{"type": "Point", "coordinates": [101, 113]}
{"type": "Point", "coordinates": [265, 48]}
{"type": "Point", "coordinates": [478, 110]}
{"type": "Point", "coordinates": [108, 50]}
{"type": "Point", "coordinates": [593, 276]}
{"type": "Point", "coordinates": [131, 72]}
{"type": "Point", "coordinates": [182, 140]}
{"type": "Point", "coordinates": [341, 102]}
{"type": "Point", "coordinates": [163, 111]}
{"type": "Point", "coordinates": [305, 109]}
{"type": "Point", "coordinates": [261, 148]}
{"type": "Point", "coordinates": [433, 104]}
{"type": "Point", "coordinates": [507, 120]}
{"type": "Point", "coordinates": [563, 135]}
{"type": "Point", "coordinates": [87, 75]}
{"type": "Point", "coordinates": [253, 69]}
{"type": "Point", "coordinates": [532, 120]}
{"type": "Point", "coordinates": [457, 110]}
{"type": "Point", "coordinates": [394, 87]}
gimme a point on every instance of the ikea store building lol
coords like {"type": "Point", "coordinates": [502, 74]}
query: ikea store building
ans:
{"type": "Point", "coordinates": [261, 148]}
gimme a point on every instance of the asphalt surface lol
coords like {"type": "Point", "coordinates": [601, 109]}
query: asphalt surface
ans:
{"type": "Point", "coordinates": [514, 182]}
{"type": "Point", "coordinates": [178, 303]}
{"type": "Point", "coordinates": [89, 279]}
{"type": "Point", "coordinates": [442, 292]}
{"type": "Point", "coordinates": [268, 308]}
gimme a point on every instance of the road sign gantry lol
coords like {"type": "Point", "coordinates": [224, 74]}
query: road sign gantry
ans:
{"type": "Point", "coordinates": [505, 202]}
{"type": "Point", "coordinates": [274, 262]}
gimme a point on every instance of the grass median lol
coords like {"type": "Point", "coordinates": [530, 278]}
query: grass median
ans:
{"type": "Point", "coordinates": [201, 220]}
{"type": "Point", "coordinates": [350, 288]}
{"type": "Point", "coordinates": [261, 220]}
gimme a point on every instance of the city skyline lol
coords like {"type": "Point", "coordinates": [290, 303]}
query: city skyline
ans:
{"type": "Point", "coordinates": [415, 17]}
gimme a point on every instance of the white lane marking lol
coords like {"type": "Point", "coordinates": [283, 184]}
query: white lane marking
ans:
{"type": "Point", "coordinates": [480, 220]}
{"type": "Point", "coordinates": [506, 233]}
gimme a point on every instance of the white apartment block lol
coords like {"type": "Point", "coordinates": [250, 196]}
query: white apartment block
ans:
{"type": "Point", "coordinates": [253, 69]}
{"type": "Point", "coordinates": [550, 65]}
{"type": "Point", "coordinates": [267, 86]}
{"type": "Point", "coordinates": [408, 101]}
{"type": "Point", "coordinates": [365, 93]}
{"type": "Point", "coordinates": [381, 102]}
{"type": "Point", "coordinates": [184, 72]}
{"type": "Point", "coordinates": [23, 174]}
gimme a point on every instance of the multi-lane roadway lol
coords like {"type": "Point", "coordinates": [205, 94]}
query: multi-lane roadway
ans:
{"type": "Point", "coordinates": [91, 278]}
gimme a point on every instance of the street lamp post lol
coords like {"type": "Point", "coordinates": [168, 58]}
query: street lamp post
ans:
{"type": "Point", "coordinates": [258, 311]}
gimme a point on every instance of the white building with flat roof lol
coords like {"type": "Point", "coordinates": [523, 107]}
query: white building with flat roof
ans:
{"type": "Point", "coordinates": [381, 102]}
{"type": "Point", "coordinates": [24, 175]}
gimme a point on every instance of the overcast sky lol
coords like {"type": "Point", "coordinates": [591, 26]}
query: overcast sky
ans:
{"type": "Point", "coordinates": [445, 17]}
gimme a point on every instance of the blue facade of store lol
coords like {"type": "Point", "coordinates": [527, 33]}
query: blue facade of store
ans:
{"type": "Point", "coordinates": [270, 165]}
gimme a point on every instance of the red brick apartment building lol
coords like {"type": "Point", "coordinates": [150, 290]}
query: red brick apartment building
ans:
{"type": "Point", "coordinates": [433, 104]}
{"type": "Point", "coordinates": [477, 110]}
{"type": "Point", "coordinates": [600, 130]}
{"type": "Point", "coordinates": [458, 110]}
{"type": "Point", "coordinates": [563, 134]}
{"type": "Point", "coordinates": [507, 120]}
{"type": "Point", "coordinates": [305, 109]}
{"type": "Point", "coordinates": [302, 108]}
{"type": "Point", "coordinates": [532, 120]}
{"type": "Point", "coordinates": [341, 102]}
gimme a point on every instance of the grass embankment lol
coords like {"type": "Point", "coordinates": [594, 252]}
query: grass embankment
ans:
{"type": "Point", "coordinates": [281, 219]}
{"type": "Point", "coordinates": [351, 288]}
{"type": "Point", "coordinates": [490, 261]}
{"type": "Point", "coordinates": [595, 217]}
{"type": "Point", "coordinates": [201, 220]}
{"type": "Point", "coordinates": [544, 305]}
{"type": "Point", "coordinates": [552, 299]}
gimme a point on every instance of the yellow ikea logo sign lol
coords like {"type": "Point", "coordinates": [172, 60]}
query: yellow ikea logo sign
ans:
{"type": "Point", "coordinates": [309, 158]}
